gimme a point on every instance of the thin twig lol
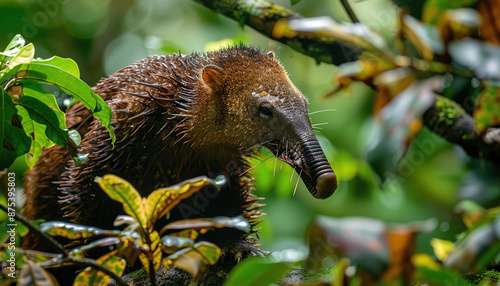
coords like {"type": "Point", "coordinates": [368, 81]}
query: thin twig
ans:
{"type": "Point", "coordinates": [47, 238]}
{"type": "Point", "coordinates": [349, 11]}
{"type": "Point", "coordinates": [60, 249]}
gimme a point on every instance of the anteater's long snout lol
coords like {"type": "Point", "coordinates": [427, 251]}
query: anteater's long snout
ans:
{"type": "Point", "coordinates": [317, 173]}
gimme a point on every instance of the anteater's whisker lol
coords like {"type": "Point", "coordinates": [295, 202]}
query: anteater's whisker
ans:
{"type": "Point", "coordinates": [319, 111]}
{"type": "Point", "coordinates": [251, 168]}
{"type": "Point", "coordinates": [297, 184]}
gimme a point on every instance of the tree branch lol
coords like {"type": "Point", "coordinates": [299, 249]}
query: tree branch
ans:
{"type": "Point", "coordinates": [449, 120]}
{"type": "Point", "coordinates": [263, 16]}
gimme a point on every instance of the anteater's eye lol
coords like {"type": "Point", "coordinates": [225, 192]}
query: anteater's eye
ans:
{"type": "Point", "coordinates": [265, 110]}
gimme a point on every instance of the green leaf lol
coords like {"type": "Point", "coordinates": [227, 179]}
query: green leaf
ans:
{"type": "Point", "coordinates": [487, 111]}
{"type": "Point", "coordinates": [424, 38]}
{"type": "Point", "coordinates": [475, 251]}
{"type": "Point", "coordinates": [14, 46]}
{"type": "Point", "coordinates": [14, 140]}
{"type": "Point", "coordinates": [258, 271]}
{"type": "Point", "coordinates": [103, 242]}
{"type": "Point", "coordinates": [161, 201]}
{"type": "Point", "coordinates": [16, 53]}
{"type": "Point", "coordinates": [401, 120]}
{"type": "Point", "coordinates": [91, 276]}
{"type": "Point", "coordinates": [193, 259]}
{"type": "Point", "coordinates": [75, 136]}
{"type": "Point", "coordinates": [68, 82]}
{"type": "Point", "coordinates": [42, 108]}
{"type": "Point", "coordinates": [104, 114]}
{"type": "Point", "coordinates": [37, 132]}
{"type": "Point", "coordinates": [434, 9]}
{"type": "Point", "coordinates": [293, 2]}
{"type": "Point", "coordinates": [123, 192]}
{"type": "Point", "coordinates": [481, 57]}
{"type": "Point", "coordinates": [362, 240]}
{"type": "Point", "coordinates": [65, 64]}
{"type": "Point", "coordinates": [206, 224]}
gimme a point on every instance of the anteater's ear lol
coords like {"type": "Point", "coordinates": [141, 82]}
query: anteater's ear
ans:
{"type": "Point", "coordinates": [213, 77]}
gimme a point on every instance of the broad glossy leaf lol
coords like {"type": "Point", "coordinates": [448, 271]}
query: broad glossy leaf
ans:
{"type": "Point", "coordinates": [356, 34]}
{"type": "Point", "coordinates": [154, 255]}
{"type": "Point", "coordinates": [458, 24]}
{"type": "Point", "coordinates": [194, 259]}
{"type": "Point", "coordinates": [37, 132]}
{"type": "Point", "coordinates": [123, 192]}
{"type": "Point", "coordinates": [34, 274]}
{"type": "Point", "coordinates": [91, 276]}
{"type": "Point", "coordinates": [258, 271]}
{"type": "Point", "coordinates": [366, 68]}
{"type": "Point", "coordinates": [43, 109]}
{"type": "Point", "coordinates": [481, 57]}
{"type": "Point", "coordinates": [203, 225]}
{"type": "Point", "coordinates": [161, 201]}
{"type": "Point", "coordinates": [399, 122]}
{"type": "Point", "coordinates": [65, 64]}
{"type": "Point", "coordinates": [472, 213]}
{"type": "Point", "coordinates": [293, 2]}
{"type": "Point", "coordinates": [14, 140]}
{"type": "Point", "coordinates": [107, 241]}
{"type": "Point", "coordinates": [103, 112]}
{"type": "Point", "coordinates": [424, 38]}
{"type": "Point", "coordinates": [431, 272]}
{"type": "Point", "coordinates": [53, 75]}
{"type": "Point", "coordinates": [23, 56]}
{"type": "Point", "coordinates": [70, 84]}
{"type": "Point", "coordinates": [487, 111]}
{"type": "Point", "coordinates": [14, 46]}
{"type": "Point", "coordinates": [389, 84]}
{"type": "Point", "coordinates": [361, 240]}
{"type": "Point", "coordinates": [434, 9]}
{"type": "Point", "coordinates": [172, 244]}
{"type": "Point", "coordinates": [74, 231]}
{"type": "Point", "coordinates": [475, 251]}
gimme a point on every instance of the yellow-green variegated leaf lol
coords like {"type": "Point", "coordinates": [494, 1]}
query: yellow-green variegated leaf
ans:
{"type": "Point", "coordinates": [91, 276]}
{"type": "Point", "coordinates": [122, 191]}
{"type": "Point", "coordinates": [74, 231]}
{"type": "Point", "coordinates": [154, 254]}
{"type": "Point", "coordinates": [34, 274]}
{"type": "Point", "coordinates": [194, 259]}
{"type": "Point", "coordinates": [161, 201]}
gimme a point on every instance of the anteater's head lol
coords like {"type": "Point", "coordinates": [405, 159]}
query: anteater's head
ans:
{"type": "Point", "coordinates": [249, 101]}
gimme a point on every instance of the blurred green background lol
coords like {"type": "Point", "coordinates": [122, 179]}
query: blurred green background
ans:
{"type": "Point", "coordinates": [102, 36]}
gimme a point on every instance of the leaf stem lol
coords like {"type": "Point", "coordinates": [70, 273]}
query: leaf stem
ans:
{"type": "Point", "coordinates": [349, 11]}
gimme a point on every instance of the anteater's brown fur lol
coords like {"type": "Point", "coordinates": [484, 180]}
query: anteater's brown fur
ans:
{"type": "Point", "coordinates": [175, 117]}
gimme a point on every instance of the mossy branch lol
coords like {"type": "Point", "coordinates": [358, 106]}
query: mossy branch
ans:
{"type": "Point", "coordinates": [263, 16]}
{"type": "Point", "coordinates": [449, 120]}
